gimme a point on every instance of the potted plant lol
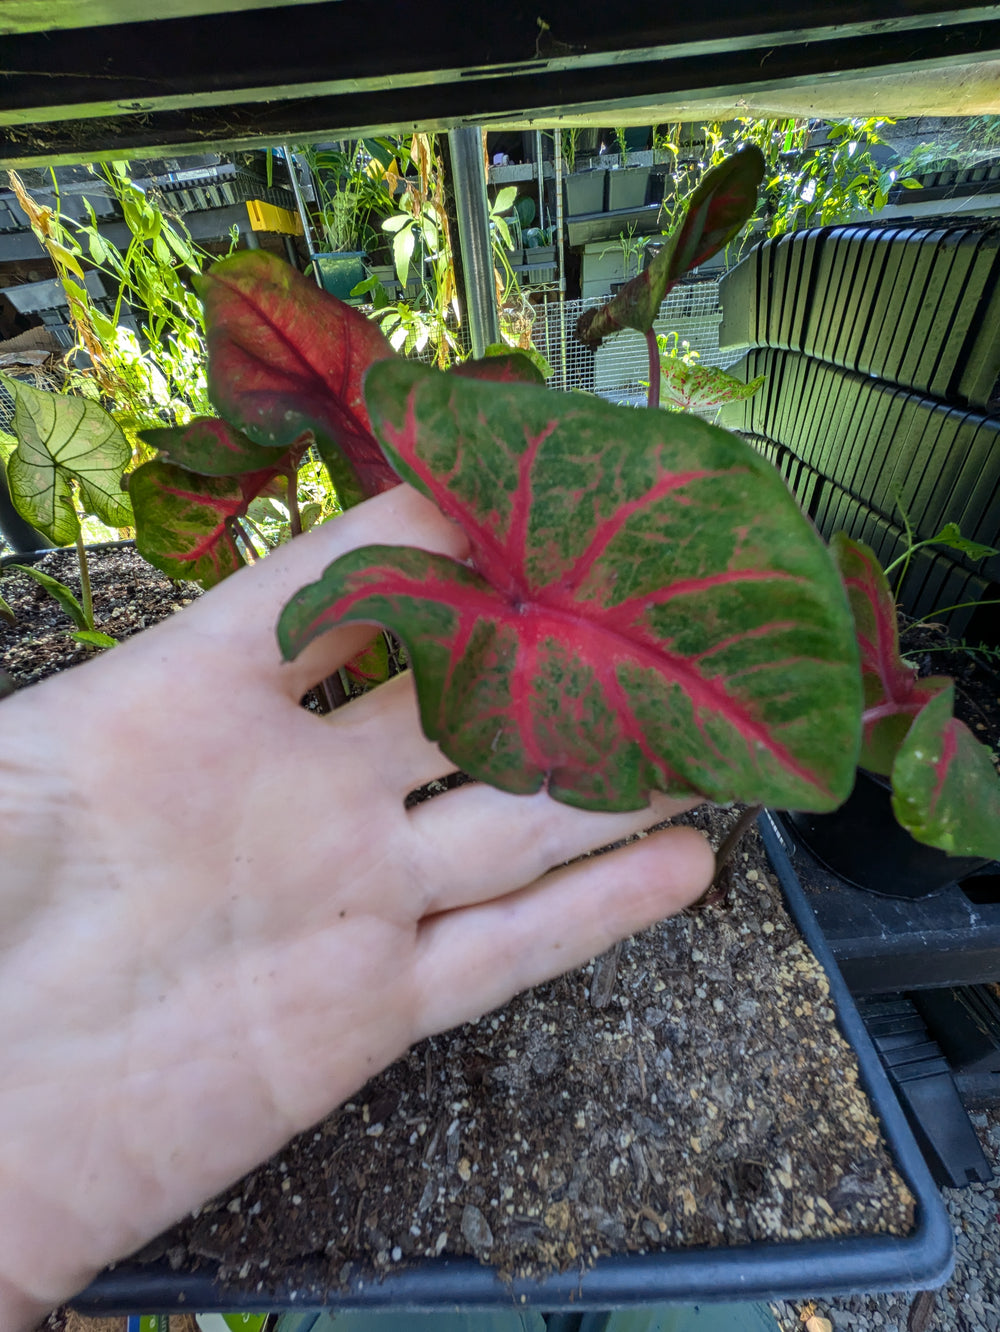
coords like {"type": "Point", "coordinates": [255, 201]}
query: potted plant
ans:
{"type": "Point", "coordinates": [645, 608]}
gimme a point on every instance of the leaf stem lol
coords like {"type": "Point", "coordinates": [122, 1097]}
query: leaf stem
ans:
{"type": "Point", "coordinates": [294, 514]}
{"type": "Point", "coordinates": [734, 836]}
{"type": "Point", "coordinates": [654, 369]}
{"type": "Point", "coordinates": [85, 590]}
{"type": "Point", "coordinates": [943, 610]}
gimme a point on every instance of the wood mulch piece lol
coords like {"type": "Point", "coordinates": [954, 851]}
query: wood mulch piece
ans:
{"type": "Point", "coordinates": [696, 1091]}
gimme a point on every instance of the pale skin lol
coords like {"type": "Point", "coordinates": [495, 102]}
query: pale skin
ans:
{"type": "Point", "coordinates": [217, 920]}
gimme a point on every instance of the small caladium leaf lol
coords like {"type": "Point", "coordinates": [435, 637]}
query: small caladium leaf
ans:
{"type": "Point", "coordinates": [285, 357]}
{"type": "Point", "coordinates": [701, 387]}
{"type": "Point", "coordinates": [62, 440]}
{"type": "Point", "coordinates": [646, 606]}
{"type": "Point", "coordinates": [58, 591]}
{"type": "Point", "coordinates": [184, 522]}
{"type": "Point", "coordinates": [894, 694]}
{"type": "Point", "coordinates": [370, 667]}
{"type": "Point", "coordinates": [212, 447]}
{"type": "Point", "coordinates": [505, 367]}
{"type": "Point", "coordinates": [945, 790]}
{"type": "Point", "coordinates": [722, 204]}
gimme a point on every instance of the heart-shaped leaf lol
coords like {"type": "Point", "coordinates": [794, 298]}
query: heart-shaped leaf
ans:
{"type": "Point", "coordinates": [286, 358]}
{"type": "Point", "coordinates": [62, 440]}
{"type": "Point", "coordinates": [214, 448]}
{"type": "Point", "coordinates": [945, 790]}
{"type": "Point", "coordinates": [184, 521]}
{"type": "Point", "coordinates": [722, 204]}
{"type": "Point", "coordinates": [694, 387]}
{"type": "Point", "coordinates": [647, 608]}
{"type": "Point", "coordinates": [894, 694]}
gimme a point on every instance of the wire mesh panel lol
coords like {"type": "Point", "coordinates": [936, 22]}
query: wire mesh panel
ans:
{"type": "Point", "coordinates": [619, 368]}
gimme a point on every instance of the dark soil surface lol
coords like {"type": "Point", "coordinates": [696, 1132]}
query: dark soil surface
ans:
{"type": "Point", "coordinates": [691, 1088]}
{"type": "Point", "coordinates": [128, 595]}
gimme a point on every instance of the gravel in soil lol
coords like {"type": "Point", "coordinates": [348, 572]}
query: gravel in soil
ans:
{"type": "Point", "coordinates": [128, 595]}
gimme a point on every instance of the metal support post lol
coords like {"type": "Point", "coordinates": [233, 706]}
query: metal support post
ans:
{"type": "Point", "coordinates": [474, 237]}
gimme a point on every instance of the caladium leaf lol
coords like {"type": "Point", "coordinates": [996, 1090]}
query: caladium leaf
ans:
{"type": "Point", "coordinates": [212, 447]}
{"type": "Point", "coordinates": [62, 440]}
{"type": "Point", "coordinates": [503, 368]}
{"type": "Point", "coordinates": [184, 522]}
{"type": "Point", "coordinates": [370, 666]}
{"type": "Point", "coordinates": [646, 606]}
{"type": "Point", "coordinates": [945, 790]}
{"type": "Point", "coordinates": [701, 387]}
{"type": "Point", "coordinates": [722, 204]}
{"type": "Point", "coordinates": [893, 692]}
{"type": "Point", "coordinates": [285, 357]}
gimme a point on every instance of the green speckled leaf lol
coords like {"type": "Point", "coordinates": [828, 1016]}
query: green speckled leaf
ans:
{"type": "Point", "coordinates": [646, 607]}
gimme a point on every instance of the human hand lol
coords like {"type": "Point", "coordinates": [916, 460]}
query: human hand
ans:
{"type": "Point", "coordinates": [218, 920]}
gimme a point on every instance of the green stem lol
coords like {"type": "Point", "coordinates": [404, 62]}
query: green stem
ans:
{"type": "Point", "coordinates": [943, 610]}
{"type": "Point", "coordinates": [294, 514]}
{"type": "Point", "coordinates": [654, 368]}
{"type": "Point", "coordinates": [85, 591]}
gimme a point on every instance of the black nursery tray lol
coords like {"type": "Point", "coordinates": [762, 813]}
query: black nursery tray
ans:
{"type": "Point", "coordinates": [921, 1260]}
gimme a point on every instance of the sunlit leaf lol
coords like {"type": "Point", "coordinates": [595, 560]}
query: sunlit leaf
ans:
{"type": "Point", "coordinates": [62, 440]}
{"type": "Point", "coordinates": [654, 616]}
{"type": "Point", "coordinates": [58, 591]}
{"type": "Point", "coordinates": [286, 358]}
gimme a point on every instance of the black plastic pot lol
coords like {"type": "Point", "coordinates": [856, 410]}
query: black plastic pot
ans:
{"type": "Point", "coordinates": [862, 843]}
{"type": "Point", "coordinates": [35, 554]}
{"type": "Point", "coordinates": [919, 1261]}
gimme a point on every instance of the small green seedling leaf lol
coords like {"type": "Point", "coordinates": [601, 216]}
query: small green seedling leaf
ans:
{"type": "Point", "coordinates": [61, 440]}
{"type": "Point", "coordinates": [95, 639]}
{"type": "Point", "coordinates": [945, 790]}
{"type": "Point", "coordinates": [6, 612]}
{"type": "Point", "coordinates": [59, 591]}
{"type": "Point", "coordinates": [502, 367]}
{"type": "Point", "coordinates": [951, 535]}
{"type": "Point", "coordinates": [721, 205]}
{"type": "Point", "coordinates": [656, 616]}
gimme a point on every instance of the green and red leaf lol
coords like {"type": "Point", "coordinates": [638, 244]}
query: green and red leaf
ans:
{"type": "Point", "coordinates": [502, 368]}
{"type": "Point", "coordinates": [945, 790]}
{"type": "Point", "coordinates": [184, 521]}
{"type": "Point", "coordinates": [692, 388]}
{"type": "Point", "coordinates": [212, 447]}
{"type": "Point", "coordinates": [285, 357]}
{"type": "Point", "coordinates": [893, 692]}
{"type": "Point", "coordinates": [646, 607]}
{"type": "Point", "coordinates": [722, 204]}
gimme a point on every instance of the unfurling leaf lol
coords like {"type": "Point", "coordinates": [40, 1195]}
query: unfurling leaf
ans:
{"type": "Point", "coordinates": [893, 692]}
{"type": "Point", "coordinates": [61, 440]}
{"type": "Point", "coordinates": [286, 358]}
{"type": "Point", "coordinates": [94, 638]}
{"type": "Point", "coordinates": [945, 790]}
{"type": "Point", "coordinates": [721, 205]}
{"type": "Point", "coordinates": [646, 607]}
